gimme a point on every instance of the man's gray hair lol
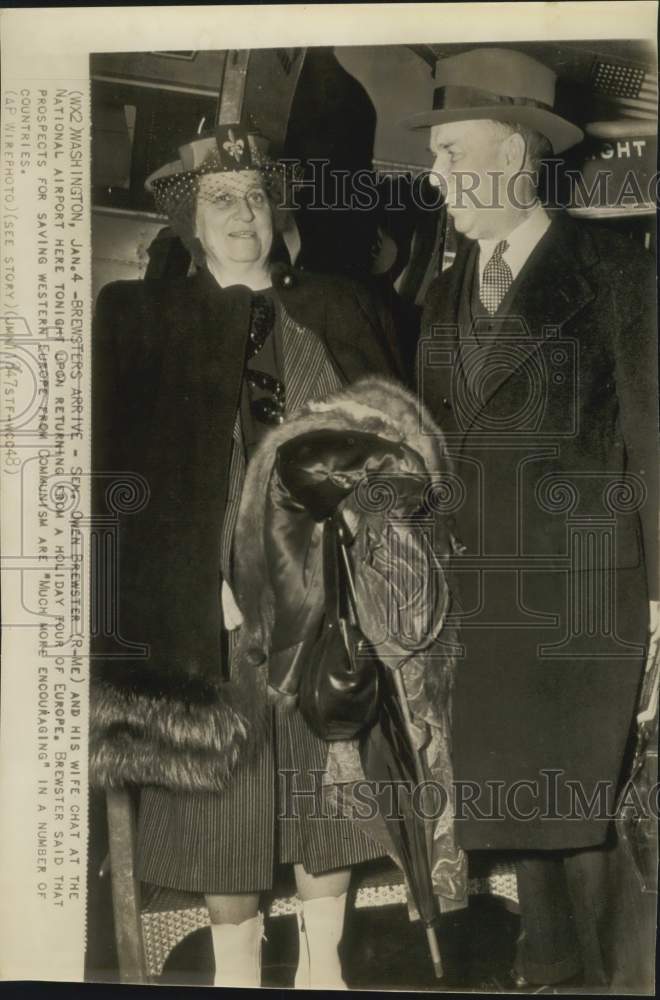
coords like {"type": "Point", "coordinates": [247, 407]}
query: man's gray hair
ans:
{"type": "Point", "coordinates": [537, 147]}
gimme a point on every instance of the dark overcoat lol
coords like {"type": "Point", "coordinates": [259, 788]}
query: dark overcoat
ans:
{"type": "Point", "coordinates": [550, 416]}
{"type": "Point", "coordinates": [168, 369]}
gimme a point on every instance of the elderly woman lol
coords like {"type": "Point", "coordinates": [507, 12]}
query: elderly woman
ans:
{"type": "Point", "coordinates": [189, 376]}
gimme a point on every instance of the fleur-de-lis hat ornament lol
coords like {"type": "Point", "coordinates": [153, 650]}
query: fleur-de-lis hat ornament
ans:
{"type": "Point", "coordinates": [225, 150]}
{"type": "Point", "coordinates": [234, 146]}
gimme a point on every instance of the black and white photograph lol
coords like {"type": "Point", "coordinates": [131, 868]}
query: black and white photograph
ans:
{"type": "Point", "coordinates": [342, 575]}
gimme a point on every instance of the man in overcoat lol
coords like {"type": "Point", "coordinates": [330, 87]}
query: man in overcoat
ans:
{"type": "Point", "coordinates": [538, 360]}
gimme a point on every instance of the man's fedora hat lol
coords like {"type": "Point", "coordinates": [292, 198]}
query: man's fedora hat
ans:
{"type": "Point", "coordinates": [502, 85]}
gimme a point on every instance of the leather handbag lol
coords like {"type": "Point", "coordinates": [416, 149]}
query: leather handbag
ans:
{"type": "Point", "coordinates": [339, 689]}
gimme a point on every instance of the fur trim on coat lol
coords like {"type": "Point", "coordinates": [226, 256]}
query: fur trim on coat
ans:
{"type": "Point", "coordinates": [188, 738]}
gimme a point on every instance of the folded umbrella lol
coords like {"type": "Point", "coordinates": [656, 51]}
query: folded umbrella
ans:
{"type": "Point", "coordinates": [401, 599]}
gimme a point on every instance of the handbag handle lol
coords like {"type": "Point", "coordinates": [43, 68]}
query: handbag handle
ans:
{"type": "Point", "coordinates": [340, 594]}
{"type": "Point", "coordinates": [346, 562]}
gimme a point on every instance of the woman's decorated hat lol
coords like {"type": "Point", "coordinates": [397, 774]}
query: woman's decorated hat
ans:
{"type": "Point", "coordinates": [228, 149]}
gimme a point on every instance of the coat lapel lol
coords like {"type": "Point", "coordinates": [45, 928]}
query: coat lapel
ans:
{"type": "Point", "coordinates": [452, 284]}
{"type": "Point", "coordinates": [304, 311]}
{"type": "Point", "coordinates": [304, 356]}
{"type": "Point", "coordinates": [552, 287]}
{"type": "Point", "coordinates": [437, 357]}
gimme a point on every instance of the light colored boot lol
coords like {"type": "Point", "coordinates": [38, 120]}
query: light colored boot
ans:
{"type": "Point", "coordinates": [320, 927]}
{"type": "Point", "coordinates": [237, 952]}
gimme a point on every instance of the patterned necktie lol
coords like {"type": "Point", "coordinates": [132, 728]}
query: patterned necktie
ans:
{"type": "Point", "coordinates": [497, 279]}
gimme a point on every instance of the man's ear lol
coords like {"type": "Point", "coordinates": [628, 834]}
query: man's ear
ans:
{"type": "Point", "coordinates": [516, 151]}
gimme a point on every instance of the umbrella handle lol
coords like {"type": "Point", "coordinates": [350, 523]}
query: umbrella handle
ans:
{"type": "Point", "coordinates": [434, 949]}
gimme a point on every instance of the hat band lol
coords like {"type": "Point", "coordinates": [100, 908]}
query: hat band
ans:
{"type": "Point", "coordinates": [456, 98]}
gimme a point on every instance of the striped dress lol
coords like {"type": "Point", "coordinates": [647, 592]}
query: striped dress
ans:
{"type": "Point", "coordinates": [272, 810]}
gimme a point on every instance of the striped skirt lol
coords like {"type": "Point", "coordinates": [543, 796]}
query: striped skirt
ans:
{"type": "Point", "coordinates": [272, 811]}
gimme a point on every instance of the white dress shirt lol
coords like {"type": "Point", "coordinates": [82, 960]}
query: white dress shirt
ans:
{"type": "Point", "coordinates": [521, 242]}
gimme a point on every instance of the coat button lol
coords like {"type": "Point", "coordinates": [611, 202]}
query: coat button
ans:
{"type": "Point", "coordinates": [446, 403]}
{"type": "Point", "coordinates": [287, 280]}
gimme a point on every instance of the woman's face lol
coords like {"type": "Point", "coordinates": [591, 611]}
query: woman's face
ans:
{"type": "Point", "coordinates": [233, 218]}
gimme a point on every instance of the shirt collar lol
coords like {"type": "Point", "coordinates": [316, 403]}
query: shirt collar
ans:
{"type": "Point", "coordinates": [521, 241]}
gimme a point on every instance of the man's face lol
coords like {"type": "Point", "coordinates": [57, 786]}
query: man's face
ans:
{"type": "Point", "coordinates": [233, 217]}
{"type": "Point", "coordinates": [473, 164]}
